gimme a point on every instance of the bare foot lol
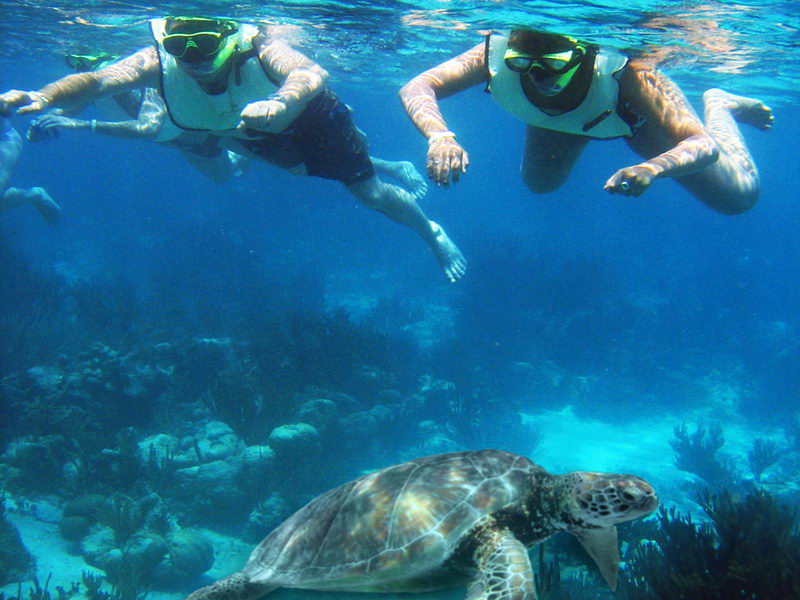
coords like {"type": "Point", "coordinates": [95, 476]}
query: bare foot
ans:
{"type": "Point", "coordinates": [40, 199]}
{"type": "Point", "coordinates": [411, 179]}
{"type": "Point", "coordinates": [447, 253]}
{"type": "Point", "coordinates": [406, 174]}
{"type": "Point", "coordinates": [745, 110]}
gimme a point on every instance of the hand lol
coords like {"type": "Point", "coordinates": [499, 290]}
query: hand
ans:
{"type": "Point", "coordinates": [271, 116]}
{"type": "Point", "coordinates": [446, 158]}
{"type": "Point", "coordinates": [48, 127]}
{"type": "Point", "coordinates": [24, 102]}
{"type": "Point", "coordinates": [631, 181]}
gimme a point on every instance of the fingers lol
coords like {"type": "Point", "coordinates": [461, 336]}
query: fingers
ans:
{"type": "Point", "coordinates": [32, 108]}
{"type": "Point", "coordinates": [631, 181]}
{"type": "Point", "coordinates": [446, 160]}
{"type": "Point", "coordinates": [623, 186]}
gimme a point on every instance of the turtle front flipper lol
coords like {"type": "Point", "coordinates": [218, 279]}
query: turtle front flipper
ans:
{"type": "Point", "coordinates": [504, 570]}
{"type": "Point", "coordinates": [601, 544]}
{"type": "Point", "coordinates": [233, 587]}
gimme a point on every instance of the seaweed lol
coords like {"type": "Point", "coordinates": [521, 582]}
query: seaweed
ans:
{"type": "Point", "coordinates": [234, 398]}
{"type": "Point", "coordinates": [482, 419]}
{"type": "Point", "coordinates": [93, 583]}
{"type": "Point", "coordinates": [761, 456]}
{"type": "Point", "coordinates": [696, 453]}
{"type": "Point", "coordinates": [158, 471]}
{"type": "Point", "coordinates": [129, 578]}
{"type": "Point", "coordinates": [749, 549]}
{"type": "Point", "coordinates": [123, 515]}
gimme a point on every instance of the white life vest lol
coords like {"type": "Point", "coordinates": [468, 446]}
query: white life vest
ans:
{"type": "Point", "coordinates": [190, 107]}
{"type": "Point", "coordinates": [587, 119]}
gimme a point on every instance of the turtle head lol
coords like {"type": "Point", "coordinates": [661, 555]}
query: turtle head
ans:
{"type": "Point", "coordinates": [597, 502]}
{"type": "Point", "coordinates": [605, 499]}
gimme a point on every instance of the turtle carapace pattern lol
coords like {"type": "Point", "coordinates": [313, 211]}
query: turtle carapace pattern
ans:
{"type": "Point", "coordinates": [463, 518]}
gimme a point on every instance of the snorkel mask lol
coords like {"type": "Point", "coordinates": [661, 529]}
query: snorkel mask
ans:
{"type": "Point", "coordinates": [83, 63]}
{"type": "Point", "coordinates": [204, 43]}
{"type": "Point", "coordinates": [555, 70]}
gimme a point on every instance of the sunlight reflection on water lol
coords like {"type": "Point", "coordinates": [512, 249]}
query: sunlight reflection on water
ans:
{"type": "Point", "coordinates": [750, 45]}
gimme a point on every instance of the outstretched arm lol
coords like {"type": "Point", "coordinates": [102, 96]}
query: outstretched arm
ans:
{"type": "Point", "coordinates": [148, 123]}
{"type": "Point", "coordinates": [301, 80]}
{"type": "Point", "coordinates": [138, 70]}
{"type": "Point", "coordinates": [672, 131]}
{"type": "Point", "coordinates": [420, 98]}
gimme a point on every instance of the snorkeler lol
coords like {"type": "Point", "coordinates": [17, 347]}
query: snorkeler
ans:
{"type": "Point", "coordinates": [139, 114]}
{"type": "Point", "coordinates": [147, 108]}
{"type": "Point", "coordinates": [10, 148]}
{"type": "Point", "coordinates": [266, 99]}
{"type": "Point", "coordinates": [568, 92]}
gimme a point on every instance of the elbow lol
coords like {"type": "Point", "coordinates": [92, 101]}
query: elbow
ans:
{"type": "Point", "coordinates": [406, 94]}
{"type": "Point", "coordinates": [150, 129]}
{"type": "Point", "coordinates": [318, 77]}
{"type": "Point", "coordinates": [414, 92]}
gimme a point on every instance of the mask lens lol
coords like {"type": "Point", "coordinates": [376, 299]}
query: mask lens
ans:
{"type": "Point", "coordinates": [561, 62]}
{"type": "Point", "coordinates": [519, 63]}
{"type": "Point", "coordinates": [175, 44]}
{"type": "Point", "coordinates": [207, 42]}
{"type": "Point", "coordinates": [193, 47]}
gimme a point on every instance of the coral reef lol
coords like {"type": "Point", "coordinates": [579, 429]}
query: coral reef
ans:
{"type": "Point", "coordinates": [16, 563]}
{"type": "Point", "coordinates": [750, 549]}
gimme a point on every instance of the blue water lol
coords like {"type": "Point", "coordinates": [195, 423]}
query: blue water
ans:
{"type": "Point", "coordinates": [637, 314]}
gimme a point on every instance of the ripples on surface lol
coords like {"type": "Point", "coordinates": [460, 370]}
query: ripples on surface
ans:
{"type": "Point", "coordinates": [751, 47]}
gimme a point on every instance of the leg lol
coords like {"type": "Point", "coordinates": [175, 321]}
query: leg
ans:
{"type": "Point", "coordinates": [549, 158]}
{"type": "Point", "coordinates": [731, 185]}
{"type": "Point", "coordinates": [400, 206]}
{"type": "Point", "coordinates": [219, 169]}
{"type": "Point", "coordinates": [404, 172]}
{"type": "Point", "coordinates": [36, 197]}
{"type": "Point", "coordinates": [10, 147]}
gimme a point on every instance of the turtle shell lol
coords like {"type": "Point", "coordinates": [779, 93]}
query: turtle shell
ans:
{"type": "Point", "coordinates": [392, 526]}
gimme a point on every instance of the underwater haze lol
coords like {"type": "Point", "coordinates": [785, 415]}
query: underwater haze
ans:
{"type": "Point", "coordinates": [184, 363]}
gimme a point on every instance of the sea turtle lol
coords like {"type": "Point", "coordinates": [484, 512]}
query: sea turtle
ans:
{"type": "Point", "coordinates": [438, 522]}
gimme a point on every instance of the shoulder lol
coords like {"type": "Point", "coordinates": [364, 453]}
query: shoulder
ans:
{"type": "Point", "coordinates": [652, 94]}
{"type": "Point", "coordinates": [145, 59]}
{"type": "Point", "coordinates": [140, 67]}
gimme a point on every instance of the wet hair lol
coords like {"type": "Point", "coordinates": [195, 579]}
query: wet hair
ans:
{"type": "Point", "coordinates": [196, 24]}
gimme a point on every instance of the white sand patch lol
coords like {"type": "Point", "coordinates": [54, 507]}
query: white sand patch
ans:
{"type": "Point", "coordinates": [50, 551]}
{"type": "Point", "coordinates": [39, 533]}
{"type": "Point", "coordinates": [570, 443]}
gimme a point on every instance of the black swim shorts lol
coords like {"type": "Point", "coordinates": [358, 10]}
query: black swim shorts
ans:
{"type": "Point", "coordinates": [323, 138]}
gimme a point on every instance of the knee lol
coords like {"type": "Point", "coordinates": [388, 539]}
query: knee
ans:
{"type": "Point", "coordinates": [741, 206]}
{"type": "Point", "coordinates": [371, 199]}
{"type": "Point", "coordinates": [735, 205]}
{"type": "Point", "coordinates": [372, 195]}
{"type": "Point", "coordinates": [541, 185]}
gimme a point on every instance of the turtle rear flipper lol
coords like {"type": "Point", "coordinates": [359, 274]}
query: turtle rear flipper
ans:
{"type": "Point", "coordinates": [504, 570]}
{"type": "Point", "coordinates": [233, 587]}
